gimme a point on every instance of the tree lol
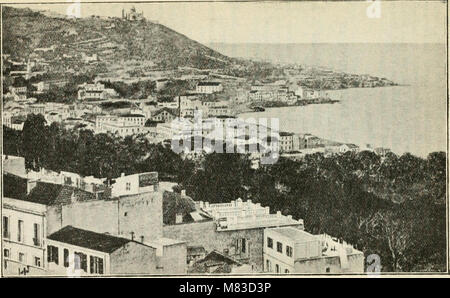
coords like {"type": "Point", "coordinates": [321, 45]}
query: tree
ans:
{"type": "Point", "coordinates": [34, 141]}
{"type": "Point", "coordinates": [395, 233]}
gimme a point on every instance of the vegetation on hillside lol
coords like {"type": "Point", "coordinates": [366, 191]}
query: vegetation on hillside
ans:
{"type": "Point", "coordinates": [394, 207]}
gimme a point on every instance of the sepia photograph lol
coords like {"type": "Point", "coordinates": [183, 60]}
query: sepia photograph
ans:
{"type": "Point", "coordinates": [224, 139]}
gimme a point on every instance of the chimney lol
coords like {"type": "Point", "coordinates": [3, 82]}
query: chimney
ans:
{"type": "Point", "coordinates": [122, 175]}
{"type": "Point", "coordinates": [142, 239]}
{"type": "Point", "coordinates": [132, 235]}
{"type": "Point", "coordinates": [178, 218]}
{"type": "Point", "coordinates": [183, 192]}
{"type": "Point", "coordinates": [31, 185]}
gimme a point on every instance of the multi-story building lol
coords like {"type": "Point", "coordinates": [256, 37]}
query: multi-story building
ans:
{"type": "Point", "coordinates": [286, 143]}
{"type": "Point", "coordinates": [235, 229]}
{"type": "Point", "coordinates": [208, 87]}
{"type": "Point", "coordinates": [123, 125]}
{"type": "Point", "coordinates": [289, 250]}
{"type": "Point", "coordinates": [214, 111]}
{"type": "Point", "coordinates": [308, 141]}
{"type": "Point", "coordinates": [76, 252]}
{"type": "Point", "coordinates": [24, 229]}
{"type": "Point", "coordinates": [95, 91]}
{"type": "Point", "coordinates": [36, 109]}
{"type": "Point", "coordinates": [131, 208]}
{"type": "Point", "coordinates": [164, 115]}
{"type": "Point", "coordinates": [25, 226]}
{"type": "Point", "coordinates": [308, 93]}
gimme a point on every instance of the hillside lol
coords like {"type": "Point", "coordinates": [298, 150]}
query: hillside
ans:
{"type": "Point", "coordinates": [112, 39]}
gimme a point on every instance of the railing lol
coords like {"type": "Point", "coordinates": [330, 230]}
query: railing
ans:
{"type": "Point", "coordinates": [263, 222]}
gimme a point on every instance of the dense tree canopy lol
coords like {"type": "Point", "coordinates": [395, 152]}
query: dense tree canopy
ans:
{"type": "Point", "coordinates": [393, 207]}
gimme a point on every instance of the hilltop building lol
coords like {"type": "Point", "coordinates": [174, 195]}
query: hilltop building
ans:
{"type": "Point", "coordinates": [132, 15]}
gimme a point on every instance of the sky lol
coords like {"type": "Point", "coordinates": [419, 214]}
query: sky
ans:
{"type": "Point", "coordinates": [288, 22]}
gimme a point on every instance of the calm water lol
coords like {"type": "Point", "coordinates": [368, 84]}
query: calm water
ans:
{"type": "Point", "coordinates": [405, 118]}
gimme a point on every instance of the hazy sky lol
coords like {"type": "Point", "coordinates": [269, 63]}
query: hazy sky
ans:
{"type": "Point", "coordinates": [288, 22]}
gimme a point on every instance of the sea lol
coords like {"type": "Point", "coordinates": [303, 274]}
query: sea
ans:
{"type": "Point", "coordinates": [411, 117]}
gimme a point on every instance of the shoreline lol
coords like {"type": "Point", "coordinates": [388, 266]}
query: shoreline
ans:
{"type": "Point", "coordinates": [399, 150]}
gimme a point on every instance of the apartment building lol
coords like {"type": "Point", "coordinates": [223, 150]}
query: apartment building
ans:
{"type": "Point", "coordinates": [76, 252]}
{"type": "Point", "coordinates": [131, 208]}
{"type": "Point", "coordinates": [95, 91]}
{"type": "Point", "coordinates": [288, 250]}
{"type": "Point", "coordinates": [122, 125]}
{"type": "Point", "coordinates": [235, 229]}
{"type": "Point", "coordinates": [164, 115]}
{"type": "Point", "coordinates": [23, 235]}
{"type": "Point", "coordinates": [286, 143]}
{"type": "Point", "coordinates": [208, 87]}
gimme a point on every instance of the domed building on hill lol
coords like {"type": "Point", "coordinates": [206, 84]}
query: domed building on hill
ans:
{"type": "Point", "coordinates": [132, 15]}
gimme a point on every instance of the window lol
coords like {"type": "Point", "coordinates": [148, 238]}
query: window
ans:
{"type": "Point", "coordinates": [268, 266]}
{"type": "Point", "coordinates": [37, 262]}
{"type": "Point", "coordinates": [20, 231]}
{"type": "Point", "coordinates": [21, 257]}
{"type": "Point", "coordinates": [243, 247]}
{"type": "Point", "coordinates": [52, 254]}
{"type": "Point", "coordinates": [6, 253]}
{"type": "Point", "coordinates": [5, 227]}
{"type": "Point", "coordinates": [36, 238]}
{"type": "Point", "coordinates": [128, 186]}
{"type": "Point", "coordinates": [81, 261]}
{"type": "Point", "coordinates": [269, 242]}
{"type": "Point", "coordinates": [277, 268]}
{"type": "Point", "coordinates": [66, 257]}
{"type": "Point", "coordinates": [286, 271]}
{"type": "Point", "coordinates": [279, 247]}
{"type": "Point", "coordinates": [288, 251]}
{"type": "Point", "coordinates": [328, 270]}
{"type": "Point", "coordinates": [96, 265]}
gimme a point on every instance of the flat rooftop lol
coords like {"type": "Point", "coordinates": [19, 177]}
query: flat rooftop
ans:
{"type": "Point", "coordinates": [295, 234]}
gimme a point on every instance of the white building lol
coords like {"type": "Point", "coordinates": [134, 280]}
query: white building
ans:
{"type": "Point", "coordinates": [208, 87]}
{"type": "Point", "coordinates": [23, 236]}
{"type": "Point", "coordinates": [95, 91]}
{"type": "Point", "coordinates": [76, 252]}
{"type": "Point", "coordinates": [239, 215]}
{"type": "Point", "coordinates": [289, 250]}
{"type": "Point", "coordinates": [123, 125]}
{"type": "Point", "coordinates": [135, 184]}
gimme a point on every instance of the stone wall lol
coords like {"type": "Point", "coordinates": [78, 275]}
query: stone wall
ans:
{"type": "Point", "coordinates": [137, 215]}
{"type": "Point", "coordinates": [174, 259]}
{"type": "Point", "coordinates": [205, 234]}
{"type": "Point", "coordinates": [134, 258]}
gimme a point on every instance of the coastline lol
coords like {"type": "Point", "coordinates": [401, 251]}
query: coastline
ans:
{"type": "Point", "coordinates": [391, 110]}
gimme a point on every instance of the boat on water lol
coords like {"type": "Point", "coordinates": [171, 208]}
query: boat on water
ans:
{"type": "Point", "coordinates": [259, 109]}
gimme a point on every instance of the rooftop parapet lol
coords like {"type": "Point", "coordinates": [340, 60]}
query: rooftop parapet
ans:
{"type": "Point", "coordinates": [239, 215]}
